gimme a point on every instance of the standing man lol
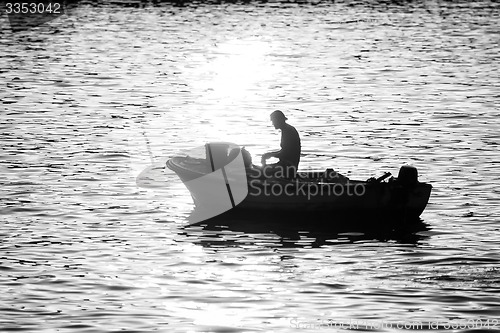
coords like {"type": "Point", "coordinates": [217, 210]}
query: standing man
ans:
{"type": "Point", "coordinates": [289, 155]}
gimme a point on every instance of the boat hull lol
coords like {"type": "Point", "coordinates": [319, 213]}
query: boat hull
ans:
{"type": "Point", "coordinates": [350, 198]}
{"type": "Point", "coordinates": [310, 195]}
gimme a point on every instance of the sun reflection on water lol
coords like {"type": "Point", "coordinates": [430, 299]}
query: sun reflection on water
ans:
{"type": "Point", "coordinates": [235, 72]}
{"type": "Point", "coordinates": [232, 89]}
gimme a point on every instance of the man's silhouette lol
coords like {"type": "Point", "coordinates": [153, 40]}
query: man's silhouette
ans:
{"type": "Point", "coordinates": [289, 155]}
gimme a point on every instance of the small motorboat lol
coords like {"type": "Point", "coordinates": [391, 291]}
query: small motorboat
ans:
{"type": "Point", "coordinates": [225, 179]}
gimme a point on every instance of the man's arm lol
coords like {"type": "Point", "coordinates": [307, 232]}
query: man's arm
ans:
{"type": "Point", "coordinates": [269, 155]}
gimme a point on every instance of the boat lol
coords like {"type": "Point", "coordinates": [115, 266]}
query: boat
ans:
{"type": "Point", "coordinates": [225, 179]}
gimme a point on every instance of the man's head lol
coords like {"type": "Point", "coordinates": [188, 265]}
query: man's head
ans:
{"type": "Point", "coordinates": [278, 119]}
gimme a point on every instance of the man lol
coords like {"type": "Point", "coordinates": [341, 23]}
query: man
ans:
{"type": "Point", "coordinates": [289, 155]}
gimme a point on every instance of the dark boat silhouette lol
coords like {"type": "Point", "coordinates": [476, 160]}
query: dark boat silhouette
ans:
{"type": "Point", "coordinates": [223, 180]}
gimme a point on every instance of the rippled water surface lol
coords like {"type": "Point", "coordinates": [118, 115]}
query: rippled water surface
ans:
{"type": "Point", "coordinates": [92, 98]}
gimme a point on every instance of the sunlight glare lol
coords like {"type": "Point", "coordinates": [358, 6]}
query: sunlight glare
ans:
{"type": "Point", "coordinates": [238, 69]}
{"type": "Point", "coordinates": [237, 77]}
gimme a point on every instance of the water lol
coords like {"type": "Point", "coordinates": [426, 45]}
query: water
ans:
{"type": "Point", "coordinates": [94, 97]}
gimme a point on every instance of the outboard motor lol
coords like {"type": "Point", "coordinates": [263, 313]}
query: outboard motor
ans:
{"type": "Point", "coordinates": [408, 176]}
